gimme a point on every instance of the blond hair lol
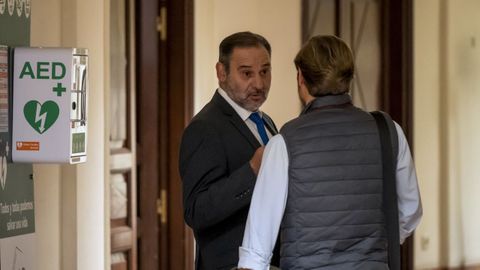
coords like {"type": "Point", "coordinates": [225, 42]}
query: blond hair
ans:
{"type": "Point", "coordinates": [327, 66]}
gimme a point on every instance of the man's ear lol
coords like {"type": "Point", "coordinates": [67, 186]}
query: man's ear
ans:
{"type": "Point", "coordinates": [221, 72]}
{"type": "Point", "coordinates": [303, 93]}
{"type": "Point", "coordinates": [301, 80]}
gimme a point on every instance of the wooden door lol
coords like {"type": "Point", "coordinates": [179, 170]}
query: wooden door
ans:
{"type": "Point", "coordinates": [379, 33]}
{"type": "Point", "coordinates": [164, 70]}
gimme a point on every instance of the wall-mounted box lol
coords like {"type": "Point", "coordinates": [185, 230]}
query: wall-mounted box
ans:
{"type": "Point", "coordinates": [50, 105]}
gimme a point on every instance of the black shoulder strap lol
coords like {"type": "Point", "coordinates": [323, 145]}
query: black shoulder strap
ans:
{"type": "Point", "coordinates": [390, 206]}
{"type": "Point", "coordinates": [270, 124]}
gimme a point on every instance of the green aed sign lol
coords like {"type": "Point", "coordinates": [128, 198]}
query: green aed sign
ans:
{"type": "Point", "coordinates": [17, 215]}
{"type": "Point", "coordinates": [16, 180]}
{"type": "Point", "coordinates": [41, 116]}
{"type": "Point", "coordinates": [44, 70]}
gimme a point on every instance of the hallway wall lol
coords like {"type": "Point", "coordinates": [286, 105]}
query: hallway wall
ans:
{"type": "Point", "coordinates": [462, 69]}
{"type": "Point", "coordinates": [447, 144]}
{"type": "Point", "coordinates": [70, 213]}
{"type": "Point", "coordinates": [427, 126]}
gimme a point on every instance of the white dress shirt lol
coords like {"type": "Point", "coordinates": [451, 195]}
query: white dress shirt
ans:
{"type": "Point", "coordinates": [244, 114]}
{"type": "Point", "coordinates": [271, 192]}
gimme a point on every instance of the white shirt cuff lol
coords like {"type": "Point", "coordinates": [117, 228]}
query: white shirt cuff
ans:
{"type": "Point", "coordinates": [252, 259]}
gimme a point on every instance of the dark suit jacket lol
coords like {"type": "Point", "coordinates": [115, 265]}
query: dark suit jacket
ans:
{"type": "Point", "coordinates": [218, 181]}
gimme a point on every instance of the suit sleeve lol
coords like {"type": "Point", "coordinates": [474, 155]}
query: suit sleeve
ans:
{"type": "Point", "coordinates": [210, 194]}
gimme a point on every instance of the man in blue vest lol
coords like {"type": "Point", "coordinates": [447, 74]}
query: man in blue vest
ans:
{"type": "Point", "coordinates": [321, 179]}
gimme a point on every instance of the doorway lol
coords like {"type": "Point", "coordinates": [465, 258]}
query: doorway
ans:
{"type": "Point", "coordinates": [151, 101]}
{"type": "Point", "coordinates": [164, 68]}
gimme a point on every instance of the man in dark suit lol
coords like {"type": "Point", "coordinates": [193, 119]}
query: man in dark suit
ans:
{"type": "Point", "coordinates": [222, 148]}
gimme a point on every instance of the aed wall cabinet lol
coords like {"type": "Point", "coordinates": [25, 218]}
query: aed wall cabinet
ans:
{"type": "Point", "coordinates": [49, 105]}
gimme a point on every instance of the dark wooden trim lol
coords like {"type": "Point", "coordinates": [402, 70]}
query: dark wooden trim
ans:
{"type": "Point", "coordinates": [189, 258]}
{"type": "Point", "coordinates": [397, 78]}
{"type": "Point", "coordinates": [147, 66]}
{"type": "Point", "coordinates": [408, 21]}
{"type": "Point", "coordinates": [338, 18]}
{"type": "Point", "coordinates": [180, 110]}
{"type": "Point", "coordinates": [397, 55]}
{"type": "Point", "coordinates": [305, 8]}
{"type": "Point", "coordinates": [164, 142]}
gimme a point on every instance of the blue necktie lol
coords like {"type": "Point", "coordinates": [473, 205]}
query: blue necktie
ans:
{"type": "Point", "coordinates": [257, 119]}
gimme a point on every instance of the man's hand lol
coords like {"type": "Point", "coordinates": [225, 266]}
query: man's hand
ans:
{"type": "Point", "coordinates": [256, 160]}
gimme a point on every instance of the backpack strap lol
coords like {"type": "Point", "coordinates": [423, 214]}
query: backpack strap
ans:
{"type": "Point", "coordinates": [389, 146]}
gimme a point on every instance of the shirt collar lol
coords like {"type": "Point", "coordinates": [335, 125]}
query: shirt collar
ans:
{"type": "Point", "coordinates": [242, 112]}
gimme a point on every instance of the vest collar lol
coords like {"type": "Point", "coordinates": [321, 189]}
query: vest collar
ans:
{"type": "Point", "coordinates": [327, 101]}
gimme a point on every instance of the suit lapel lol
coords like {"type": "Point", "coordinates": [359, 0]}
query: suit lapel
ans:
{"type": "Point", "coordinates": [235, 120]}
{"type": "Point", "coordinates": [240, 125]}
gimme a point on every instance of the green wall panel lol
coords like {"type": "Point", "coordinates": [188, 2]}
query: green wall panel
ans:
{"type": "Point", "coordinates": [16, 180]}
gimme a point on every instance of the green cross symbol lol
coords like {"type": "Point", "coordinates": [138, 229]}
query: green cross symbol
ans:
{"type": "Point", "coordinates": [59, 89]}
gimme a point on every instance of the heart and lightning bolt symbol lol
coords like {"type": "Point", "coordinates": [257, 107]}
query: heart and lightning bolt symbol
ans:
{"type": "Point", "coordinates": [41, 116]}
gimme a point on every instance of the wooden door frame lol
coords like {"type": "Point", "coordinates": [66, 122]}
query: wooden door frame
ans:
{"type": "Point", "coordinates": [147, 69]}
{"type": "Point", "coordinates": [397, 81]}
{"type": "Point", "coordinates": [165, 106]}
{"type": "Point", "coordinates": [178, 112]}
{"type": "Point", "coordinates": [396, 91]}
{"type": "Point", "coordinates": [397, 66]}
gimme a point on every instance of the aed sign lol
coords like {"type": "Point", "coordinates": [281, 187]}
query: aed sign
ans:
{"type": "Point", "coordinates": [44, 70]}
{"type": "Point", "coordinates": [49, 105]}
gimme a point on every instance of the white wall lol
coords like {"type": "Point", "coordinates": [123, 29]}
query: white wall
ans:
{"type": "Point", "coordinates": [447, 144]}
{"type": "Point", "coordinates": [463, 72]}
{"type": "Point", "coordinates": [277, 20]}
{"type": "Point", "coordinates": [427, 124]}
{"type": "Point", "coordinates": [90, 184]}
{"type": "Point", "coordinates": [70, 206]}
